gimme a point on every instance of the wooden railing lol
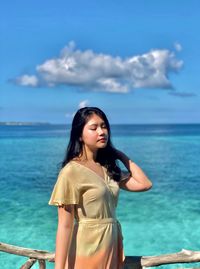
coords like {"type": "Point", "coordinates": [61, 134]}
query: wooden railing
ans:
{"type": "Point", "coordinates": [131, 262]}
{"type": "Point", "coordinates": [34, 255]}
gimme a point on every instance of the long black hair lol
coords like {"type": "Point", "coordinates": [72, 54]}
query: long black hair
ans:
{"type": "Point", "coordinates": [105, 156]}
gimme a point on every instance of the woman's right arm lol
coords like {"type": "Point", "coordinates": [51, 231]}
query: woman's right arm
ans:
{"type": "Point", "coordinates": [64, 233]}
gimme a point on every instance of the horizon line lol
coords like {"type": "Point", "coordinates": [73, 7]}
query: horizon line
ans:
{"type": "Point", "coordinates": [29, 123]}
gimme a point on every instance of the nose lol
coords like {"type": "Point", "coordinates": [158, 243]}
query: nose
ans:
{"type": "Point", "coordinates": [100, 131]}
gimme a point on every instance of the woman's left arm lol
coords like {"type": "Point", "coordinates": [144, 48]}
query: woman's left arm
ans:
{"type": "Point", "coordinates": [137, 180]}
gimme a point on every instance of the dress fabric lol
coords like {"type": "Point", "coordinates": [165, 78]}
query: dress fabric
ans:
{"type": "Point", "coordinates": [97, 239]}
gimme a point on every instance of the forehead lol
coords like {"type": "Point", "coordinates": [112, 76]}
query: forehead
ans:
{"type": "Point", "coordinates": [94, 119]}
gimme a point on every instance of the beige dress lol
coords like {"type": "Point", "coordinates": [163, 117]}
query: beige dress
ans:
{"type": "Point", "coordinates": [97, 239]}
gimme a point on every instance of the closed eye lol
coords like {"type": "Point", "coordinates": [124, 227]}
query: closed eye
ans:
{"type": "Point", "coordinates": [104, 126]}
{"type": "Point", "coordinates": [93, 127]}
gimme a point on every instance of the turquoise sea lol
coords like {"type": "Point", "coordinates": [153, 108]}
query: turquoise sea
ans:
{"type": "Point", "coordinates": [164, 220]}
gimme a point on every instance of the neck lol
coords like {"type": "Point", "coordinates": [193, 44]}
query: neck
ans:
{"type": "Point", "coordinates": [88, 154]}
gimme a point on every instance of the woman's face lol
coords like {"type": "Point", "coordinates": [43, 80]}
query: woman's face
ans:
{"type": "Point", "coordinates": [95, 133]}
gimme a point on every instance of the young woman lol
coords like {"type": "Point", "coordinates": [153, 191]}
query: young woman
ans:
{"type": "Point", "coordinates": [87, 191]}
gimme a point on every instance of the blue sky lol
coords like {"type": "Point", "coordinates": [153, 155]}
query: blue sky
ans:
{"type": "Point", "coordinates": [137, 60]}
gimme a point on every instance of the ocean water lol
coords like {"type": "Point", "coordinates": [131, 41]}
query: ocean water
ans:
{"type": "Point", "coordinates": [164, 220]}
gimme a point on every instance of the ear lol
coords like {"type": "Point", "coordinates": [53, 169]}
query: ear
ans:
{"type": "Point", "coordinates": [80, 139]}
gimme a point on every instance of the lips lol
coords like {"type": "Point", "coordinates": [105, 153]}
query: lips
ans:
{"type": "Point", "coordinates": [102, 139]}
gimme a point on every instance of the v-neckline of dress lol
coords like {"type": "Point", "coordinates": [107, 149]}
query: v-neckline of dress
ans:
{"type": "Point", "coordinates": [103, 178]}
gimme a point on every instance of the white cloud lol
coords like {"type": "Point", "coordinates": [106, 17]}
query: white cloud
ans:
{"type": "Point", "coordinates": [102, 72]}
{"type": "Point", "coordinates": [83, 103]}
{"type": "Point", "coordinates": [27, 80]}
{"type": "Point", "coordinates": [111, 85]}
{"type": "Point", "coordinates": [177, 46]}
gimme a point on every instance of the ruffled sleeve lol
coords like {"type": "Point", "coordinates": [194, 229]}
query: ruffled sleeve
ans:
{"type": "Point", "coordinates": [65, 191]}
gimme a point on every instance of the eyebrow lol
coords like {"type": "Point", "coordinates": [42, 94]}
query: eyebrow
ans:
{"type": "Point", "coordinates": [95, 124]}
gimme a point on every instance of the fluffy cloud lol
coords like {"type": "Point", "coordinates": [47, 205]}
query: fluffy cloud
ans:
{"type": "Point", "coordinates": [102, 72]}
{"type": "Point", "coordinates": [83, 103]}
{"type": "Point", "coordinates": [177, 46]}
{"type": "Point", "coordinates": [27, 80]}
